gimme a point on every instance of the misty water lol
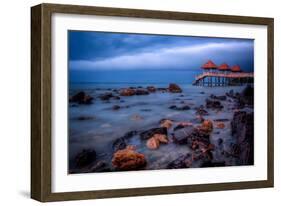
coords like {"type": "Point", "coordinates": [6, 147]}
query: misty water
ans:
{"type": "Point", "coordinates": [103, 125]}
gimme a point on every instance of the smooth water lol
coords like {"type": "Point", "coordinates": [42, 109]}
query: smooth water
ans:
{"type": "Point", "coordinates": [138, 113]}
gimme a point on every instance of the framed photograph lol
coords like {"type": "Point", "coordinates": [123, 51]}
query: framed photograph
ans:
{"type": "Point", "coordinates": [132, 102]}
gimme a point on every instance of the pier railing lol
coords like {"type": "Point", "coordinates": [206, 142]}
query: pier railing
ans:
{"type": "Point", "coordinates": [225, 75]}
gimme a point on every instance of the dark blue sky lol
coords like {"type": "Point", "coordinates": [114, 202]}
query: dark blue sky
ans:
{"type": "Point", "coordinates": [117, 51]}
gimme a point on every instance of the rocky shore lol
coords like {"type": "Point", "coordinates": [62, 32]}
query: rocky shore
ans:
{"type": "Point", "coordinates": [202, 135]}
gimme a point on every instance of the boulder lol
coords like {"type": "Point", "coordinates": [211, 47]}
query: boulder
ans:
{"type": "Point", "coordinates": [206, 127]}
{"type": "Point", "coordinates": [166, 123]}
{"type": "Point", "coordinates": [81, 98]}
{"type": "Point", "coordinates": [151, 132]}
{"type": "Point", "coordinates": [174, 88]}
{"type": "Point", "coordinates": [152, 143]}
{"type": "Point", "coordinates": [242, 129]}
{"type": "Point", "coordinates": [85, 157]}
{"type": "Point", "coordinates": [106, 96]}
{"type": "Point", "coordinates": [151, 89]}
{"type": "Point", "coordinates": [213, 104]}
{"type": "Point", "coordinates": [141, 92]}
{"type": "Point", "coordinates": [128, 159]}
{"type": "Point", "coordinates": [127, 92]}
{"type": "Point", "coordinates": [220, 125]}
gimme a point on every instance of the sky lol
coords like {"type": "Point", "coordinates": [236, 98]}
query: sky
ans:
{"type": "Point", "coordinates": [106, 51]}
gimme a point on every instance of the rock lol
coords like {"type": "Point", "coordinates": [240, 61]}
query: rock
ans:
{"type": "Point", "coordinates": [127, 92]}
{"type": "Point", "coordinates": [119, 144]}
{"type": "Point", "coordinates": [81, 98]}
{"type": "Point", "coordinates": [183, 161]}
{"type": "Point", "coordinates": [151, 89]}
{"type": "Point", "coordinates": [100, 166]}
{"type": "Point", "coordinates": [116, 107]}
{"type": "Point", "coordinates": [202, 92]}
{"type": "Point", "coordinates": [152, 143]}
{"type": "Point", "coordinates": [214, 104]}
{"type": "Point", "coordinates": [222, 98]}
{"type": "Point", "coordinates": [182, 108]}
{"type": "Point", "coordinates": [174, 88]}
{"type": "Point", "coordinates": [136, 117]}
{"type": "Point", "coordinates": [128, 159]}
{"type": "Point", "coordinates": [180, 136]}
{"type": "Point", "coordinates": [206, 126]}
{"type": "Point", "coordinates": [166, 123]}
{"type": "Point", "coordinates": [151, 132]}
{"type": "Point", "coordinates": [146, 110]}
{"type": "Point", "coordinates": [86, 157]}
{"type": "Point", "coordinates": [201, 111]}
{"type": "Point", "coordinates": [242, 129]}
{"type": "Point", "coordinates": [141, 92]}
{"type": "Point", "coordinates": [220, 125]}
{"type": "Point", "coordinates": [162, 138]}
{"type": "Point", "coordinates": [106, 96]}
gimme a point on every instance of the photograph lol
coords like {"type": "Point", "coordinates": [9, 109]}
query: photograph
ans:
{"type": "Point", "coordinates": [139, 102]}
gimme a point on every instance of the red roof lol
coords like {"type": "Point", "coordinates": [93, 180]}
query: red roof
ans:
{"type": "Point", "coordinates": [236, 68]}
{"type": "Point", "coordinates": [209, 65]}
{"type": "Point", "coordinates": [224, 67]}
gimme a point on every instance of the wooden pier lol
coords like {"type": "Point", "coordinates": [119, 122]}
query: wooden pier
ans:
{"type": "Point", "coordinates": [213, 79]}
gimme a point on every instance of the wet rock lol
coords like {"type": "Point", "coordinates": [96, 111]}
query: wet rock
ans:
{"type": "Point", "coordinates": [222, 98]}
{"type": "Point", "coordinates": [128, 159]}
{"type": "Point", "coordinates": [183, 161]}
{"type": "Point", "coordinates": [201, 111]}
{"type": "Point", "coordinates": [206, 127]}
{"type": "Point", "coordinates": [119, 144]}
{"type": "Point", "coordinates": [106, 96]}
{"type": "Point", "coordinates": [151, 89]}
{"type": "Point", "coordinates": [100, 166]}
{"type": "Point", "coordinates": [242, 129]}
{"type": "Point", "coordinates": [127, 92]}
{"type": "Point", "coordinates": [162, 138]}
{"type": "Point", "coordinates": [213, 104]}
{"type": "Point", "coordinates": [221, 120]}
{"type": "Point", "coordinates": [181, 136]}
{"type": "Point", "coordinates": [81, 98]}
{"type": "Point", "coordinates": [152, 143]}
{"type": "Point", "coordinates": [174, 88]}
{"type": "Point", "coordinates": [86, 157]}
{"type": "Point", "coordinates": [116, 107]}
{"type": "Point", "coordinates": [182, 108]}
{"type": "Point", "coordinates": [202, 92]}
{"type": "Point", "coordinates": [220, 125]}
{"type": "Point", "coordinates": [142, 92]}
{"type": "Point", "coordinates": [166, 123]}
{"type": "Point", "coordinates": [151, 132]}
